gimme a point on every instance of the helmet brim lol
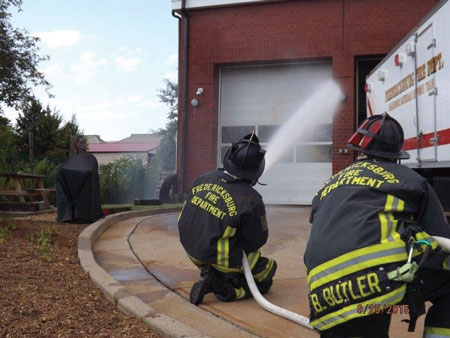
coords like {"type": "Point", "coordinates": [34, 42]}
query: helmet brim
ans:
{"type": "Point", "coordinates": [248, 174]}
{"type": "Point", "coordinates": [401, 155]}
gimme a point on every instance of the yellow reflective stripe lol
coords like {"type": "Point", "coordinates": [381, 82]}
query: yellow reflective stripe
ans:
{"type": "Point", "coordinates": [240, 293]}
{"type": "Point", "coordinates": [261, 276]}
{"type": "Point", "coordinates": [355, 261]}
{"type": "Point", "coordinates": [227, 252]}
{"type": "Point", "coordinates": [179, 216]}
{"type": "Point", "coordinates": [195, 260]}
{"type": "Point", "coordinates": [351, 311]}
{"type": "Point", "coordinates": [426, 236]}
{"type": "Point", "coordinates": [437, 332]}
{"type": "Point", "coordinates": [446, 263]}
{"type": "Point", "coordinates": [387, 221]}
{"type": "Point", "coordinates": [226, 269]}
{"type": "Point", "coordinates": [253, 258]}
{"type": "Point", "coordinates": [223, 246]}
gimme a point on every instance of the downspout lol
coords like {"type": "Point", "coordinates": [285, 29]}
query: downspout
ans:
{"type": "Point", "coordinates": [184, 107]}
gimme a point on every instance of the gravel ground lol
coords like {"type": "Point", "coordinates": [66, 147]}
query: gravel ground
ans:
{"type": "Point", "coordinates": [44, 290]}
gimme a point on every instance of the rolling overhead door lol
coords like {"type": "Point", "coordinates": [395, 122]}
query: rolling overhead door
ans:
{"type": "Point", "coordinates": [261, 98]}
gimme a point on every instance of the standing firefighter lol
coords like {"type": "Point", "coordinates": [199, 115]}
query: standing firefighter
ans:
{"type": "Point", "coordinates": [370, 252]}
{"type": "Point", "coordinates": [222, 216]}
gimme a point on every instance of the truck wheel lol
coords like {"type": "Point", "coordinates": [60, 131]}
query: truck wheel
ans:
{"type": "Point", "coordinates": [168, 190]}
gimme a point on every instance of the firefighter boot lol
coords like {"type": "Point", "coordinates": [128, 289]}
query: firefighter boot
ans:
{"type": "Point", "coordinates": [211, 281]}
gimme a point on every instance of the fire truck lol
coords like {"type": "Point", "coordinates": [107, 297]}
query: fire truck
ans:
{"type": "Point", "coordinates": [412, 84]}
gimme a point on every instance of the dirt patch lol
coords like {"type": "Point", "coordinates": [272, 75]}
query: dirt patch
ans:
{"type": "Point", "coordinates": [44, 290]}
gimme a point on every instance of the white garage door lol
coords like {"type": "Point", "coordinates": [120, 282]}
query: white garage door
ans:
{"type": "Point", "coordinates": [261, 98]}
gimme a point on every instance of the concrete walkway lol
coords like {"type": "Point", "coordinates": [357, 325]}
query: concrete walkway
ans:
{"type": "Point", "coordinates": [144, 255]}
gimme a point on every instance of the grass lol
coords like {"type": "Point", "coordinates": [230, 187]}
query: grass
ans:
{"type": "Point", "coordinates": [142, 207]}
{"type": "Point", "coordinates": [6, 231]}
{"type": "Point", "coordinates": [44, 241]}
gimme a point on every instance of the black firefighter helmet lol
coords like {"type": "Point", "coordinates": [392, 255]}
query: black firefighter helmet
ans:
{"type": "Point", "coordinates": [245, 158]}
{"type": "Point", "coordinates": [380, 136]}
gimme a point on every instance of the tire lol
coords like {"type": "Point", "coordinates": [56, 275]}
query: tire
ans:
{"type": "Point", "coordinates": [168, 191]}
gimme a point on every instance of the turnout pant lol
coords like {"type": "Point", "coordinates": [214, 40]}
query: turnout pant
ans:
{"type": "Point", "coordinates": [436, 289]}
{"type": "Point", "coordinates": [230, 283]}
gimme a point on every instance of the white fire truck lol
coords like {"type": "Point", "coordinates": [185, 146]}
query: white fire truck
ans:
{"type": "Point", "coordinates": [412, 84]}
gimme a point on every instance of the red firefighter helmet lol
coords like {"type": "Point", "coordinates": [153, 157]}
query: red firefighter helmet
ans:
{"type": "Point", "coordinates": [381, 136]}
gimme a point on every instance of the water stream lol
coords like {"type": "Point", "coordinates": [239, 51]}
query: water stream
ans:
{"type": "Point", "coordinates": [318, 109]}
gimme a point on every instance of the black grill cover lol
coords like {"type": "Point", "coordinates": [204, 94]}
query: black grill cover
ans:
{"type": "Point", "coordinates": [78, 190]}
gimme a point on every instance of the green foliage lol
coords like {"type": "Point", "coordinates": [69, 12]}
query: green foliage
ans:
{"type": "Point", "coordinates": [45, 125]}
{"type": "Point", "coordinates": [169, 96]}
{"type": "Point", "coordinates": [19, 61]}
{"type": "Point", "coordinates": [45, 248]}
{"type": "Point", "coordinates": [6, 231]}
{"type": "Point", "coordinates": [51, 138]}
{"type": "Point", "coordinates": [10, 160]}
{"type": "Point", "coordinates": [125, 180]}
{"type": "Point", "coordinates": [168, 146]}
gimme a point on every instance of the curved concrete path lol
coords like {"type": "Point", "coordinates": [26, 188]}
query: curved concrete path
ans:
{"type": "Point", "coordinates": [143, 254]}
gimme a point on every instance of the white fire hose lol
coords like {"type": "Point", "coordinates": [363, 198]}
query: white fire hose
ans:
{"type": "Point", "coordinates": [266, 304]}
{"type": "Point", "coordinates": [444, 243]}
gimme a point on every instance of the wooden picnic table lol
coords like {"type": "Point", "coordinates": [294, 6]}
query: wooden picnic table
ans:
{"type": "Point", "coordinates": [25, 185]}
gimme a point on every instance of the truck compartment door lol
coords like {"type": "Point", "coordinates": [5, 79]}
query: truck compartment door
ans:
{"type": "Point", "coordinates": [426, 94]}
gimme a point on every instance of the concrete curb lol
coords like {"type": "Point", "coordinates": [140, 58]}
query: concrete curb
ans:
{"type": "Point", "coordinates": [117, 293]}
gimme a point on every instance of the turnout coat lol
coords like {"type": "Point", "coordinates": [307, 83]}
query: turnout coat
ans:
{"type": "Point", "coordinates": [356, 238]}
{"type": "Point", "coordinates": [221, 217]}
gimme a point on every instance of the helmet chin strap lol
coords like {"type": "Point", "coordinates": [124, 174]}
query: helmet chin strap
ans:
{"type": "Point", "coordinates": [232, 176]}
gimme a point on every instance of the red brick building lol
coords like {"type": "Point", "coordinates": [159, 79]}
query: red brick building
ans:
{"type": "Point", "coordinates": [239, 53]}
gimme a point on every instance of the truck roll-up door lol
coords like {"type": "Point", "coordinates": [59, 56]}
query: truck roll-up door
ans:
{"type": "Point", "coordinates": [426, 99]}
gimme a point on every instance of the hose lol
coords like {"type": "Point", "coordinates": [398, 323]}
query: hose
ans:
{"type": "Point", "coordinates": [443, 242]}
{"type": "Point", "coordinates": [299, 319]}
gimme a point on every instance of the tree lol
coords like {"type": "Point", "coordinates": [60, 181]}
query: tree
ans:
{"type": "Point", "coordinates": [45, 124]}
{"type": "Point", "coordinates": [9, 156]}
{"type": "Point", "coordinates": [169, 96]}
{"type": "Point", "coordinates": [167, 147]}
{"type": "Point", "coordinates": [51, 137]}
{"type": "Point", "coordinates": [19, 60]}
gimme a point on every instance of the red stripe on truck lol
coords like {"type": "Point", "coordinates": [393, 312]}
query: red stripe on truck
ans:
{"type": "Point", "coordinates": [443, 138]}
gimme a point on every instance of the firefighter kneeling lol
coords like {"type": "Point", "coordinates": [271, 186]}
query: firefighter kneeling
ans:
{"type": "Point", "coordinates": [222, 216]}
{"type": "Point", "coordinates": [370, 252]}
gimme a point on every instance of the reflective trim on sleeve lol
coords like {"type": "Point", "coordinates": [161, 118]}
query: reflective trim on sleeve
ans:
{"type": "Point", "coordinates": [253, 258]}
{"type": "Point", "coordinates": [351, 311]}
{"type": "Point", "coordinates": [387, 221]}
{"type": "Point", "coordinates": [261, 276]}
{"type": "Point", "coordinates": [356, 261]}
{"type": "Point", "coordinates": [446, 263]}
{"type": "Point", "coordinates": [223, 247]}
{"type": "Point", "coordinates": [240, 293]}
{"type": "Point", "coordinates": [179, 215]}
{"type": "Point", "coordinates": [436, 332]}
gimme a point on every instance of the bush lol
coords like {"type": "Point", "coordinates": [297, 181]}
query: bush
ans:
{"type": "Point", "coordinates": [127, 179]}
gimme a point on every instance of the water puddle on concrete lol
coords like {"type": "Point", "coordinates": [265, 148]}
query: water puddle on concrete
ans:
{"type": "Point", "coordinates": [132, 274]}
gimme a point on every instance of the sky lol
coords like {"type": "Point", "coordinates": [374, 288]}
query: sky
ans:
{"type": "Point", "coordinates": [108, 58]}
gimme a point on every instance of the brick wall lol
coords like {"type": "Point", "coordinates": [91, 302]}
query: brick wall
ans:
{"type": "Point", "coordinates": [278, 32]}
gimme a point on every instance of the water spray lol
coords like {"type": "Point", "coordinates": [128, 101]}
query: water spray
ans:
{"type": "Point", "coordinates": [318, 108]}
